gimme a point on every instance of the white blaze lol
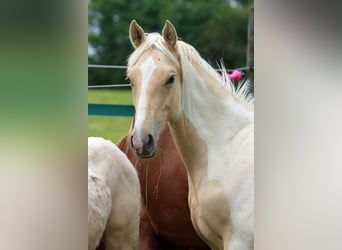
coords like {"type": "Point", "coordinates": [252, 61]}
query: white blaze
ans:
{"type": "Point", "coordinates": [146, 69]}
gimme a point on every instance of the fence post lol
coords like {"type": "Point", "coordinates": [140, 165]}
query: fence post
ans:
{"type": "Point", "coordinates": [250, 49]}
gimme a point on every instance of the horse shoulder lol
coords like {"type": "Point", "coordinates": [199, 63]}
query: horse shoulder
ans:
{"type": "Point", "coordinates": [240, 186]}
{"type": "Point", "coordinates": [126, 189]}
{"type": "Point", "coordinates": [210, 212]}
{"type": "Point", "coordinates": [225, 200]}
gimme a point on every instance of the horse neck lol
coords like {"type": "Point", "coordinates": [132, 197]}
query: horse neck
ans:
{"type": "Point", "coordinates": [191, 149]}
{"type": "Point", "coordinates": [211, 117]}
{"type": "Point", "coordinates": [212, 108]}
{"type": "Point", "coordinates": [124, 143]}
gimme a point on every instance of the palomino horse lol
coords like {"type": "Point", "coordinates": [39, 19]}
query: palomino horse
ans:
{"type": "Point", "coordinates": [114, 201]}
{"type": "Point", "coordinates": [213, 128]}
{"type": "Point", "coordinates": [165, 222]}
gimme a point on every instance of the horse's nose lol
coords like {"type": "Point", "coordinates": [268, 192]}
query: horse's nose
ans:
{"type": "Point", "coordinates": [136, 143]}
{"type": "Point", "coordinates": [143, 146]}
{"type": "Point", "coordinates": [149, 144]}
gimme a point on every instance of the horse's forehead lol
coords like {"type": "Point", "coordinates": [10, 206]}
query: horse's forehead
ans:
{"type": "Point", "coordinates": [158, 57]}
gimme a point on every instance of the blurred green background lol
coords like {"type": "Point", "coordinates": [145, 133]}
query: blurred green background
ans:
{"type": "Point", "coordinates": [216, 28]}
{"type": "Point", "coordinates": [109, 127]}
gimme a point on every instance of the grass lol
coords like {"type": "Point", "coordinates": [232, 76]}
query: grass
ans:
{"type": "Point", "coordinates": [110, 127]}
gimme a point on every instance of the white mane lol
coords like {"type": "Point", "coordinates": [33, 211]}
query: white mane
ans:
{"type": "Point", "coordinates": [241, 90]}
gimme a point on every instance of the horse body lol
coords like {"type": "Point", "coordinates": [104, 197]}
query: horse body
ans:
{"type": "Point", "coordinates": [165, 223]}
{"type": "Point", "coordinates": [212, 128]}
{"type": "Point", "coordinates": [113, 197]}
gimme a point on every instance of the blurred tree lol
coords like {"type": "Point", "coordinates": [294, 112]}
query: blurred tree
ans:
{"type": "Point", "coordinates": [217, 29]}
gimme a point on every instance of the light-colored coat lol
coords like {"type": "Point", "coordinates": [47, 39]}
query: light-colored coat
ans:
{"type": "Point", "coordinates": [114, 202]}
{"type": "Point", "coordinates": [212, 125]}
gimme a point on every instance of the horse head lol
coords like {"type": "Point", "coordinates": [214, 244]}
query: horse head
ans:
{"type": "Point", "coordinates": [155, 75]}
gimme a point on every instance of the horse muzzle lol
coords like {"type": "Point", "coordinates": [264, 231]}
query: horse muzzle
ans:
{"type": "Point", "coordinates": [143, 146]}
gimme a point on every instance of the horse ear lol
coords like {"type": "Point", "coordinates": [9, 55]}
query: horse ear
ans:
{"type": "Point", "coordinates": [169, 34]}
{"type": "Point", "coordinates": [136, 34]}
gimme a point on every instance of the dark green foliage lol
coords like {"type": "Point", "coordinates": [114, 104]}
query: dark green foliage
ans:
{"type": "Point", "coordinates": [217, 30]}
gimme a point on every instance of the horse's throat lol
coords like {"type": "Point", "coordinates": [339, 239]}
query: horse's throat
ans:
{"type": "Point", "coordinates": [192, 149]}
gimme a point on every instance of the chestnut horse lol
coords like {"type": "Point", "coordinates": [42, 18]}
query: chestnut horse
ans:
{"type": "Point", "coordinates": [165, 222]}
{"type": "Point", "coordinates": [213, 128]}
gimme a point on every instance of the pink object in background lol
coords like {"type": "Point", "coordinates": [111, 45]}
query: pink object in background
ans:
{"type": "Point", "coordinates": [235, 75]}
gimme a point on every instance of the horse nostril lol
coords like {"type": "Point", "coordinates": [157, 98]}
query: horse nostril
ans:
{"type": "Point", "coordinates": [150, 141]}
{"type": "Point", "coordinates": [132, 145]}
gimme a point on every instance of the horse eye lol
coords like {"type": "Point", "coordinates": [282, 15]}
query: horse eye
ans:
{"type": "Point", "coordinates": [170, 80]}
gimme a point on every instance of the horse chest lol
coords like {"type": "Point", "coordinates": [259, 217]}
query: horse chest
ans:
{"type": "Point", "coordinates": [210, 214]}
